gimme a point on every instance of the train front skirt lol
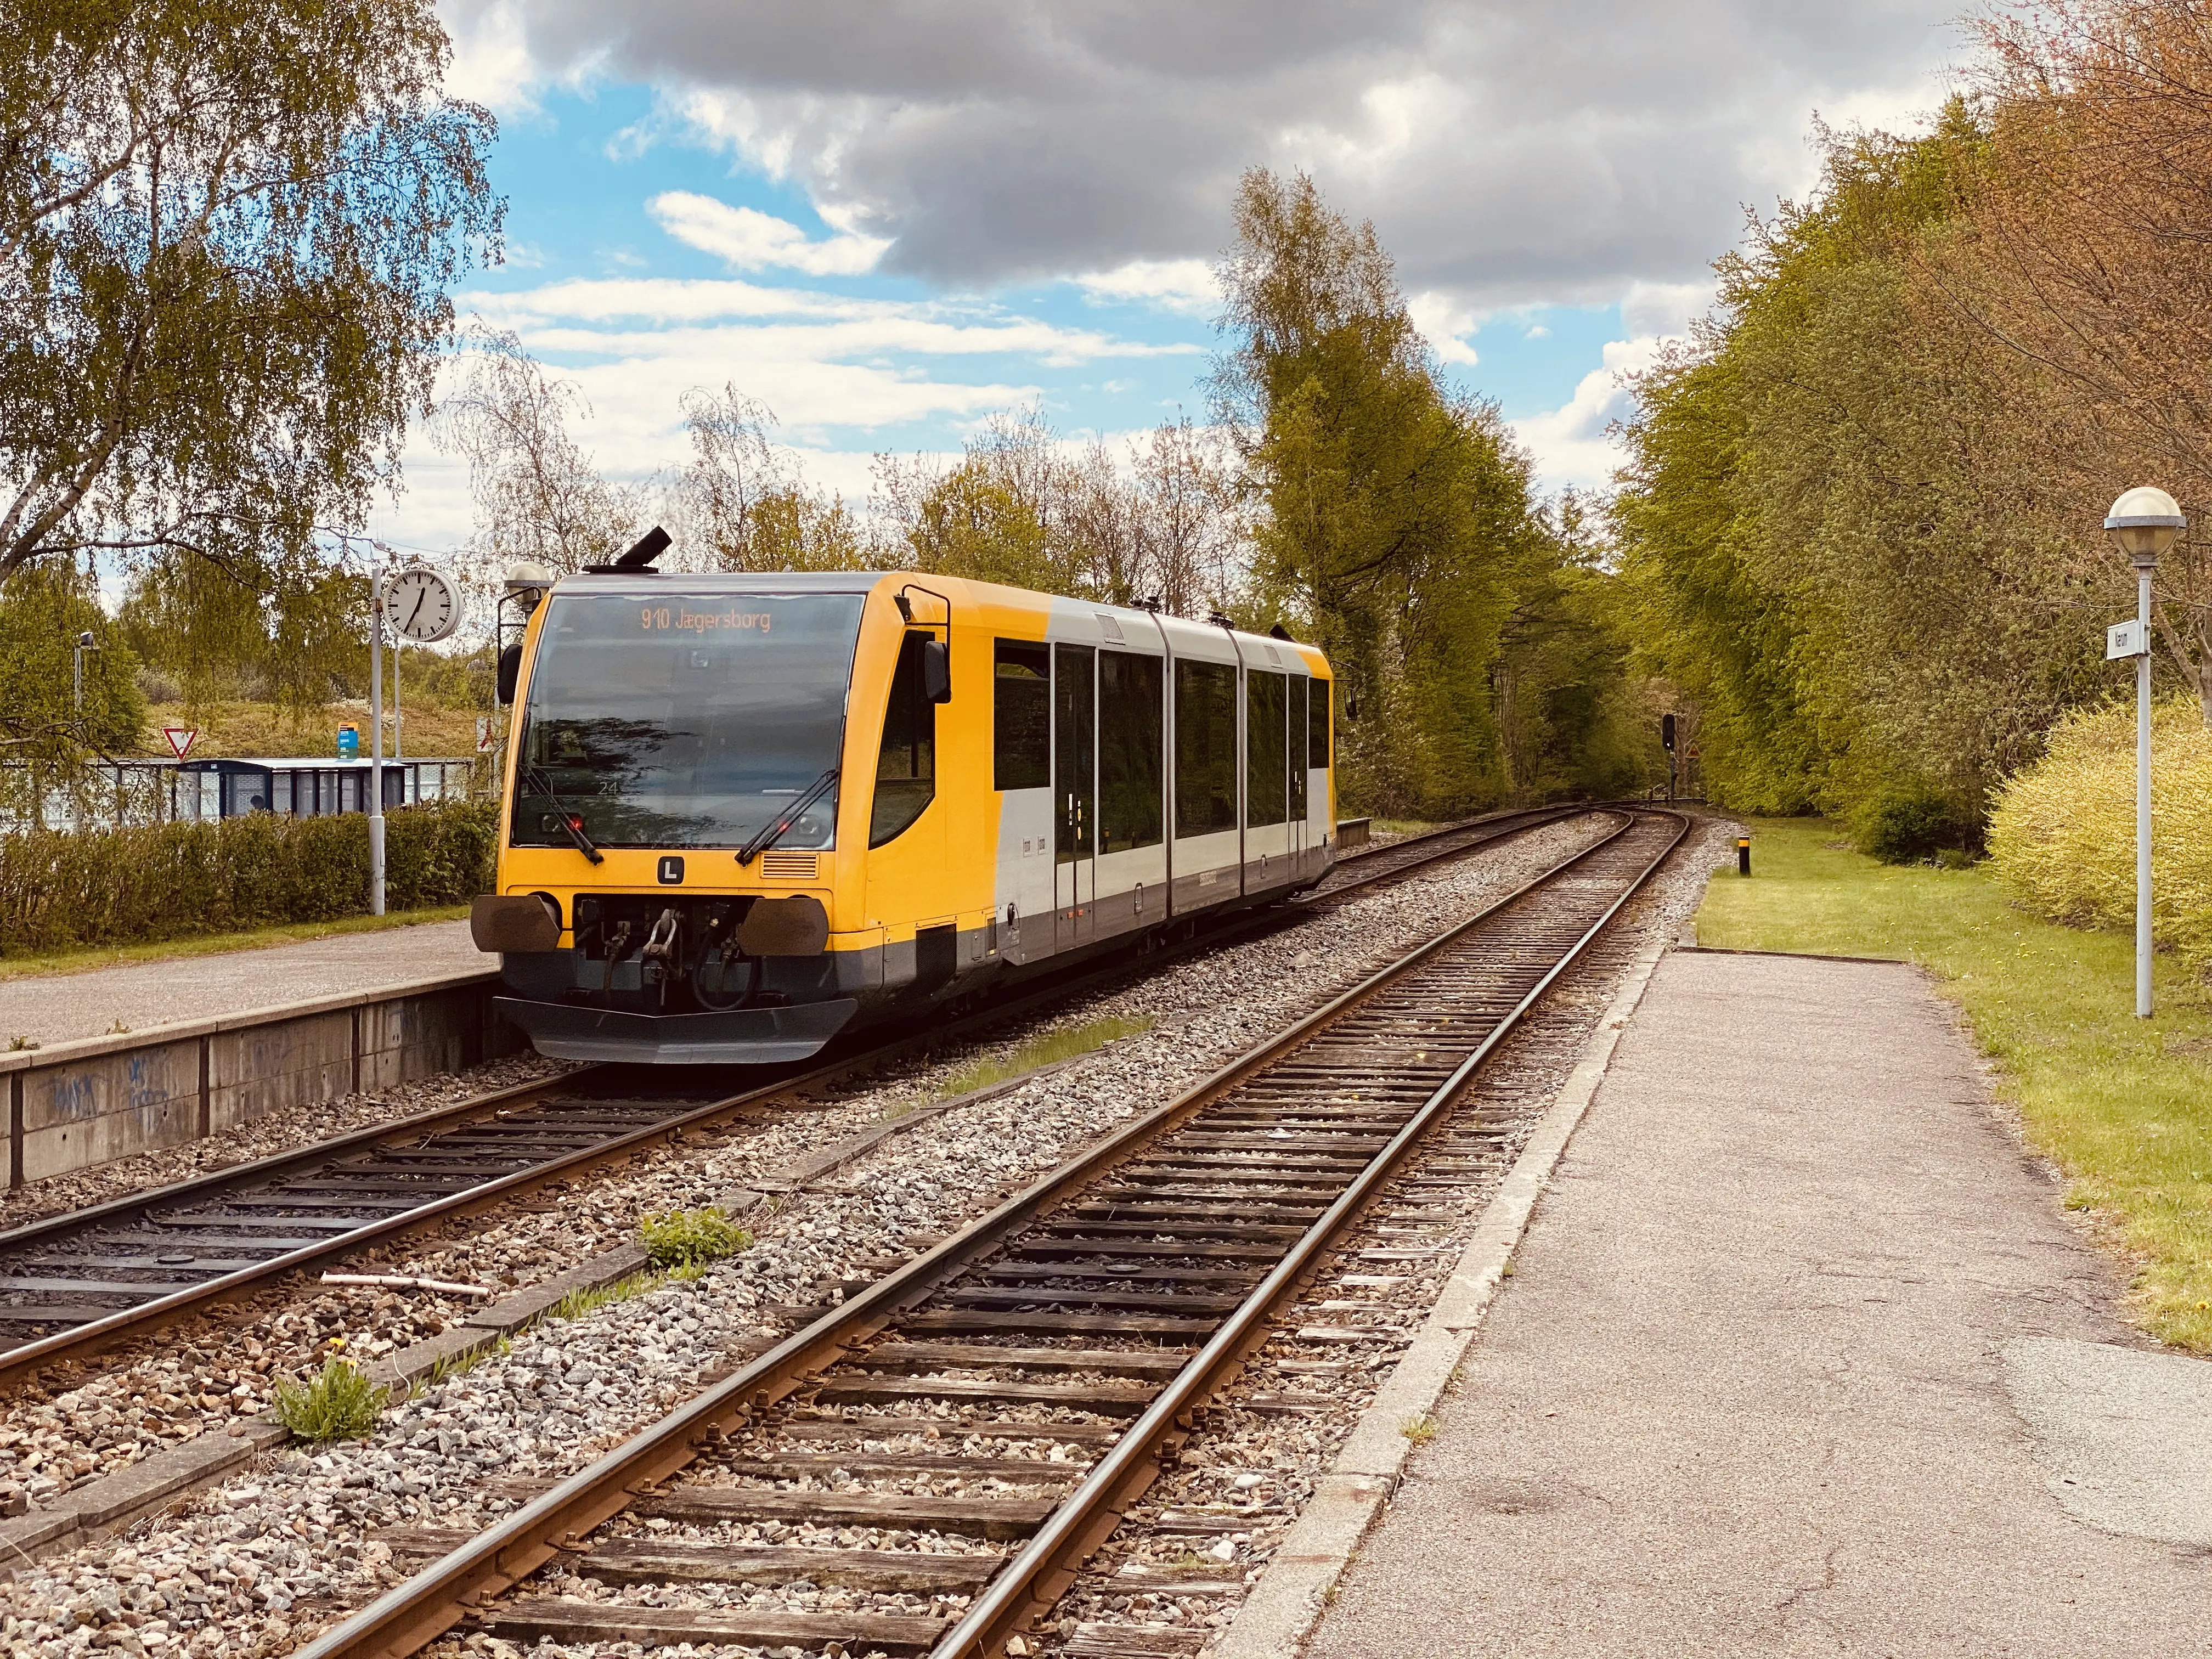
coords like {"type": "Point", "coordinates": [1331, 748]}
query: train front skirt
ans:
{"type": "Point", "coordinates": [743, 1037]}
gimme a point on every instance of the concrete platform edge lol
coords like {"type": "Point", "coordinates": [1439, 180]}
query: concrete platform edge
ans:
{"type": "Point", "coordinates": [72, 1049]}
{"type": "Point", "coordinates": [1291, 1596]}
{"type": "Point", "coordinates": [88, 1102]}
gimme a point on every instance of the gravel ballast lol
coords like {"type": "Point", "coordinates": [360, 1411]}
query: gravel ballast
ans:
{"type": "Point", "coordinates": [257, 1564]}
{"type": "Point", "coordinates": [289, 1130]}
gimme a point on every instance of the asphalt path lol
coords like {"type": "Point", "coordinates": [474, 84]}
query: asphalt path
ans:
{"type": "Point", "coordinates": [1802, 1356]}
{"type": "Point", "coordinates": [50, 1008]}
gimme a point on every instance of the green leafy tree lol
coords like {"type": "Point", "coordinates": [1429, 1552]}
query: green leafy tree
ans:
{"type": "Point", "coordinates": [1837, 520]}
{"type": "Point", "coordinates": [540, 495]}
{"type": "Point", "coordinates": [45, 735]}
{"type": "Point", "coordinates": [974, 524]}
{"type": "Point", "coordinates": [229, 228]}
{"type": "Point", "coordinates": [1571, 720]}
{"type": "Point", "coordinates": [743, 504]}
{"type": "Point", "coordinates": [300, 640]}
{"type": "Point", "coordinates": [1398, 523]}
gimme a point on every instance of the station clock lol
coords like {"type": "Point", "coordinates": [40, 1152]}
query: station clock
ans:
{"type": "Point", "coordinates": [421, 604]}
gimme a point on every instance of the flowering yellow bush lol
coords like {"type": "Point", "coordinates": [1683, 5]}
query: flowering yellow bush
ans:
{"type": "Point", "coordinates": [2063, 833]}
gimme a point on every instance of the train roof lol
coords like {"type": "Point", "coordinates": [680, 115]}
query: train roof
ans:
{"type": "Point", "coordinates": [646, 582]}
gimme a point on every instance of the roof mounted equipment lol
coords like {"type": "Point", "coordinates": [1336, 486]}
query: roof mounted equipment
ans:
{"type": "Point", "coordinates": [639, 559]}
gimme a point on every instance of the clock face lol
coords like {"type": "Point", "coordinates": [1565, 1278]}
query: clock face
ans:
{"type": "Point", "coordinates": [422, 605]}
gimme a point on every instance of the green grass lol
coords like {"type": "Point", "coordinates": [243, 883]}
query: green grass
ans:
{"type": "Point", "coordinates": [2122, 1106]}
{"type": "Point", "coordinates": [341, 1404]}
{"type": "Point", "coordinates": [1047, 1050]}
{"type": "Point", "coordinates": [577, 1303]}
{"type": "Point", "coordinates": [692, 1238]}
{"type": "Point", "coordinates": [460, 1364]}
{"type": "Point", "coordinates": [123, 956]}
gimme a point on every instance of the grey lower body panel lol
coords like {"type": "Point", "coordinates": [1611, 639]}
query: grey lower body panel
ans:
{"type": "Point", "coordinates": [743, 1037]}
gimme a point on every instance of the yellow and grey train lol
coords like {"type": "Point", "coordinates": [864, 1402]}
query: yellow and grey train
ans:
{"type": "Point", "coordinates": [748, 813]}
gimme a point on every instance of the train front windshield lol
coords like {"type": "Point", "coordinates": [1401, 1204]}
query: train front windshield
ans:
{"type": "Point", "coordinates": [685, 722]}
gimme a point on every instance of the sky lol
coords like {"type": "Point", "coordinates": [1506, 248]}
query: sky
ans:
{"type": "Point", "coordinates": [889, 219]}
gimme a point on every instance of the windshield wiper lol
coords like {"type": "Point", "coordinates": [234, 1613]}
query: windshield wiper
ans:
{"type": "Point", "coordinates": [776, 831]}
{"type": "Point", "coordinates": [537, 783]}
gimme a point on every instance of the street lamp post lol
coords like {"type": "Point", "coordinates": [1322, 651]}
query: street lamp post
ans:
{"type": "Point", "coordinates": [376, 746]}
{"type": "Point", "coordinates": [84, 643]}
{"type": "Point", "coordinates": [2144, 522]}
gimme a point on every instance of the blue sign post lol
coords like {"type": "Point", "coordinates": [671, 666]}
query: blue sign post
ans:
{"type": "Point", "coordinates": [348, 742]}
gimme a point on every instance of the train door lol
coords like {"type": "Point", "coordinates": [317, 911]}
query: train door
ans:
{"type": "Point", "coordinates": [1296, 769]}
{"type": "Point", "coordinates": [1321, 825]}
{"type": "Point", "coordinates": [1075, 789]}
{"type": "Point", "coordinates": [1267, 782]}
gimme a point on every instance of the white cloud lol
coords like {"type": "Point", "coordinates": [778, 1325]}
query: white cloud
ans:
{"type": "Point", "coordinates": [1442, 320]}
{"type": "Point", "coordinates": [492, 62]}
{"type": "Point", "coordinates": [1185, 285]}
{"type": "Point", "coordinates": [749, 240]}
{"type": "Point", "coordinates": [1508, 154]}
{"type": "Point", "coordinates": [836, 369]}
{"type": "Point", "coordinates": [1570, 444]}
{"type": "Point", "coordinates": [1664, 309]}
{"type": "Point", "coordinates": [656, 316]}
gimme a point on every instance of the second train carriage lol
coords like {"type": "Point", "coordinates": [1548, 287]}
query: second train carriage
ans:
{"type": "Point", "coordinates": [748, 812]}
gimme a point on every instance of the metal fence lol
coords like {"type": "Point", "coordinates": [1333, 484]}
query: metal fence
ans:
{"type": "Point", "coordinates": [109, 794]}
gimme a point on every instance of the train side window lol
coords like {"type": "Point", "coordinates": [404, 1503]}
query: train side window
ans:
{"type": "Point", "coordinates": [1021, 716]}
{"type": "Point", "coordinates": [1317, 725]}
{"type": "Point", "coordinates": [906, 764]}
{"type": "Point", "coordinates": [1204, 748]}
{"type": "Point", "coordinates": [1129, 750]}
{"type": "Point", "coordinates": [1266, 738]}
{"type": "Point", "coordinates": [1299, 720]}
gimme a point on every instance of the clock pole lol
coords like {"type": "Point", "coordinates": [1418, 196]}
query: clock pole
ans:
{"type": "Point", "coordinates": [376, 746]}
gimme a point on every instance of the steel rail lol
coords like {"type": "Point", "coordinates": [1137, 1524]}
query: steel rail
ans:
{"type": "Point", "coordinates": [86, 1339]}
{"type": "Point", "coordinates": [1040, 1571]}
{"type": "Point", "coordinates": [1486, 832]}
{"type": "Point", "coordinates": [415, 1613]}
{"type": "Point", "coordinates": [1546, 812]}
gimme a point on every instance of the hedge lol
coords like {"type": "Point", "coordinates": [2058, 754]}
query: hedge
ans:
{"type": "Point", "coordinates": [174, 880]}
{"type": "Point", "coordinates": [2063, 833]}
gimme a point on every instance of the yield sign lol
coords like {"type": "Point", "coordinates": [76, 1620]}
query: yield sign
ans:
{"type": "Point", "coordinates": [180, 739]}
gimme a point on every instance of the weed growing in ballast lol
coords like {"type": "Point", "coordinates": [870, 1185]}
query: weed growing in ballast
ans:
{"type": "Point", "coordinates": [342, 1404]}
{"type": "Point", "coordinates": [692, 1238]}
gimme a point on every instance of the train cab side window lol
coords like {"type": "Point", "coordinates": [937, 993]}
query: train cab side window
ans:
{"type": "Point", "coordinates": [906, 765]}
{"type": "Point", "coordinates": [1300, 721]}
{"type": "Point", "coordinates": [1266, 787]}
{"type": "Point", "coordinates": [1204, 748]}
{"type": "Point", "coordinates": [1129, 751]}
{"type": "Point", "coordinates": [1021, 716]}
{"type": "Point", "coordinates": [1317, 725]}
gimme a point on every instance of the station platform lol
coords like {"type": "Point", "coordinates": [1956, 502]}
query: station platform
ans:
{"type": "Point", "coordinates": [50, 1008]}
{"type": "Point", "coordinates": [1800, 1356]}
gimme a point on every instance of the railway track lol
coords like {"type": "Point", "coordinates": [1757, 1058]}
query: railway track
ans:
{"type": "Point", "coordinates": [948, 1446]}
{"type": "Point", "coordinates": [74, 1285]}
